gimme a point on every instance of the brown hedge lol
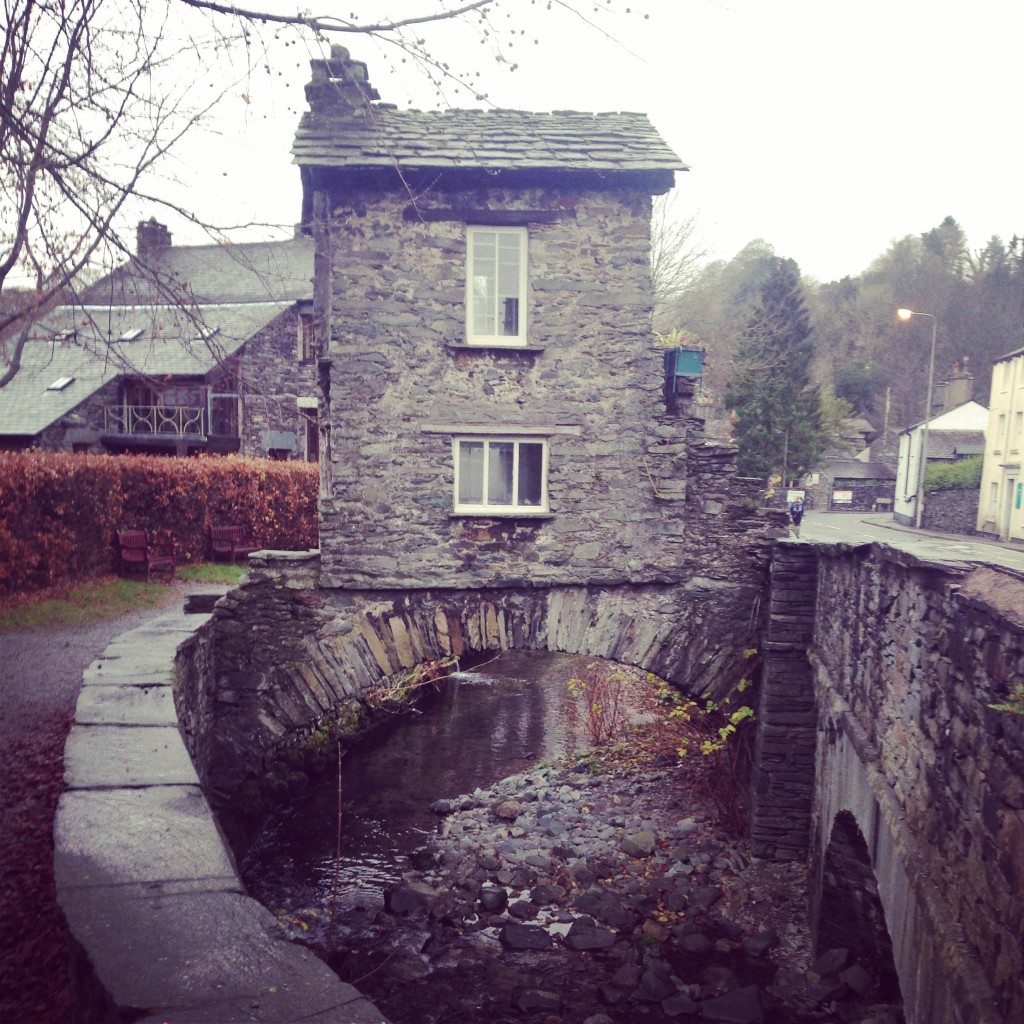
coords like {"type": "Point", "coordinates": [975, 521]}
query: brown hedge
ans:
{"type": "Point", "coordinates": [58, 512]}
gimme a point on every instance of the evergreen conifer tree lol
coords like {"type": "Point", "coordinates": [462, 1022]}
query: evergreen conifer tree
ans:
{"type": "Point", "coordinates": [777, 409]}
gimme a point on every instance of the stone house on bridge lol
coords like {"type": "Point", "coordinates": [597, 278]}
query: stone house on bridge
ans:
{"type": "Point", "coordinates": [492, 396]}
{"type": "Point", "coordinates": [184, 349]}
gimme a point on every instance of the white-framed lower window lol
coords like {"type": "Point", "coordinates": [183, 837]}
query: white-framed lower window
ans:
{"type": "Point", "coordinates": [501, 474]}
{"type": "Point", "coordinates": [496, 286]}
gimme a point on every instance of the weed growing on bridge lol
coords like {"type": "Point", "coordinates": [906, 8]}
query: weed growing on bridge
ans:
{"type": "Point", "coordinates": [601, 694]}
{"type": "Point", "coordinates": [397, 691]}
{"type": "Point", "coordinates": [1014, 704]}
{"type": "Point", "coordinates": [635, 716]}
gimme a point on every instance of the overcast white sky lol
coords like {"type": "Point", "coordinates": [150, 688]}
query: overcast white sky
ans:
{"type": "Point", "coordinates": [826, 129]}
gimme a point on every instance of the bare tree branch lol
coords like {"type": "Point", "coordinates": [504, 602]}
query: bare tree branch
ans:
{"type": "Point", "coordinates": [330, 23]}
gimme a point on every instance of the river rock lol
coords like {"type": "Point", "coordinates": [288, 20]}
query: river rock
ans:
{"type": "Point", "coordinates": [410, 896]}
{"type": "Point", "coordinates": [640, 844]}
{"type": "Point", "coordinates": [507, 810]}
{"type": "Point", "coordinates": [741, 1006]}
{"type": "Point", "coordinates": [524, 936]}
{"type": "Point", "coordinates": [538, 1000]}
{"type": "Point", "coordinates": [655, 983]}
{"type": "Point", "coordinates": [493, 899]}
{"type": "Point", "coordinates": [678, 1004]}
{"type": "Point", "coordinates": [584, 935]}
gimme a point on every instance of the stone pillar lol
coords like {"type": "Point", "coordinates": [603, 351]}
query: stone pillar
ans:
{"type": "Point", "coordinates": [783, 787]}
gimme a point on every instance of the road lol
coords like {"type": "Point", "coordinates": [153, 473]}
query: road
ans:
{"type": "Point", "coordinates": [881, 528]}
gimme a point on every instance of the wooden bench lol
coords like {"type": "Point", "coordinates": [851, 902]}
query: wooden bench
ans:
{"type": "Point", "coordinates": [135, 553]}
{"type": "Point", "coordinates": [229, 542]}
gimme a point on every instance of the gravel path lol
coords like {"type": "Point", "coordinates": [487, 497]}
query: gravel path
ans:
{"type": "Point", "coordinates": [40, 676]}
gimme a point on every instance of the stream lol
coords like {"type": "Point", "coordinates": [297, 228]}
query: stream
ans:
{"type": "Point", "coordinates": [481, 726]}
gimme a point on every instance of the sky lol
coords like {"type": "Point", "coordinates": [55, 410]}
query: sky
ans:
{"type": "Point", "coordinates": [826, 129]}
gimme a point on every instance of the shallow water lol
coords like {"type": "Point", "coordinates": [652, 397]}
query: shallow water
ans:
{"type": "Point", "coordinates": [483, 725]}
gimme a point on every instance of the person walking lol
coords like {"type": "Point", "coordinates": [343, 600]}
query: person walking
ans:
{"type": "Point", "coordinates": [796, 514]}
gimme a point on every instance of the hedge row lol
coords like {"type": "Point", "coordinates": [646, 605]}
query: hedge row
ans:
{"type": "Point", "coordinates": [58, 512]}
{"type": "Point", "coordinates": [946, 476]}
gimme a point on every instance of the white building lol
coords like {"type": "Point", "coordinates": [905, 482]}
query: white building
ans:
{"type": "Point", "coordinates": [956, 430]}
{"type": "Point", "coordinates": [1000, 511]}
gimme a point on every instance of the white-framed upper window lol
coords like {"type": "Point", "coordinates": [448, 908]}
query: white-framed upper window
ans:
{"type": "Point", "coordinates": [496, 286]}
{"type": "Point", "coordinates": [501, 474]}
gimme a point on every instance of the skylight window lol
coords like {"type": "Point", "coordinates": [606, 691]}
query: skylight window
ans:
{"type": "Point", "coordinates": [206, 333]}
{"type": "Point", "coordinates": [60, 384]}
{"type": "Point", "coordinates": [132, 334]}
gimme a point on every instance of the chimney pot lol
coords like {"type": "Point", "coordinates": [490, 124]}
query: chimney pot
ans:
{"type": "Point", "coordinates": [151, 235]}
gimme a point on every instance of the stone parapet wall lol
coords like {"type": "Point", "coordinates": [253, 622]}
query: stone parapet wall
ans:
{"type": "Point", "coordinates": [162, 927]}
{"type": "Point", "coordinates": [908, 659]}
{"type": "Point", "coordinates": [951, 511]}
{"type": "Point", "coordinates": [783, 786]}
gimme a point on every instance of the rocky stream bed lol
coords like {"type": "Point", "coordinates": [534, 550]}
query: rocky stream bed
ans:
{"type": "Point", "coordinates": [566, 894]}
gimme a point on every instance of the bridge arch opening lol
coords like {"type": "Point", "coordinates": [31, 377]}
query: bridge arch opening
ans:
{"type": "Point", "coordinates": [850, 914]}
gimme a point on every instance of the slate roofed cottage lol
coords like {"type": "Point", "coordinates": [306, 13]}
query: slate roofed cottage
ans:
{"type": "Point", "coordinates": [489, 384]}
{"type": "Point", "coordinates": [184, 349]}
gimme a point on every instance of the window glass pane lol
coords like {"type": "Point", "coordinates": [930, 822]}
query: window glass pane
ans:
{"type": "Point", "coordinates": [500, 456]}
{"type": "Point", "coordinates": [508, 283]}
{"type": "Point", "coordinates": [531, 473]}
{"type": "Point", "coordinates": [484, 276]}
{"type": "Point", "coordinates": [471, 472]}
{"type": "Point", "coordinates": [224, 415]}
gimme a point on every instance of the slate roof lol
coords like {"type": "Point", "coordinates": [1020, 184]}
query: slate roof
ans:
{"type": "Point", "coordinates": [244, 272]}
{"type": "Point", "coordinates": [483, 139]}
{"type": "Point", "coordinates": [854, 469]}
{"type": "Point", "coordinates": [168, 346]}
{"type": "Point", "coordinates": [948, 444]}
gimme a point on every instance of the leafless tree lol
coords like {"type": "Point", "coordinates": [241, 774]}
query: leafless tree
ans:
{"type": "Point", "coordinates": [677, 257]}
{"type": "Point", "coordinates": [97, 94]}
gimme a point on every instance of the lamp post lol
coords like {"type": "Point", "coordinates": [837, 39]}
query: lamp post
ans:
{"type": "Point", "coordinates": [906, 314]}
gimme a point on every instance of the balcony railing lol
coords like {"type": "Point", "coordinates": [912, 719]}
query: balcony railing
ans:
{"type": "Point", "coordinates": [180, 421]}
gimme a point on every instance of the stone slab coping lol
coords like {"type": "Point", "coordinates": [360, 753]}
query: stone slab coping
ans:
{"type": "Point", "coordinates": [148, 886]}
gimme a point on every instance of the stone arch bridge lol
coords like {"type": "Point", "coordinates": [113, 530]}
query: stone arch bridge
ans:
{"type": "Point", "coordinates": [880, 759]}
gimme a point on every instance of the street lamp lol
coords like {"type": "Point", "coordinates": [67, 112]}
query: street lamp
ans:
{"type": "Point", "coordinates": [906, 314]}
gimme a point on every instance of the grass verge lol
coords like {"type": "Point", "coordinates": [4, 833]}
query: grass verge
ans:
{"type": "Point", "coordinates": [103, 598]}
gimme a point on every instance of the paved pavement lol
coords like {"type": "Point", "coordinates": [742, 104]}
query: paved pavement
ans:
{"type": "Point", "coordinates": [928, 545]}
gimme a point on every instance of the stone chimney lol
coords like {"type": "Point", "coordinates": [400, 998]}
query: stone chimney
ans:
{"type": "Point", "coordinates": [340, 86]}
{"type": "Point", "coordinates": [151, 235]}
{"type": "Point", "coordinates": [958, 388]}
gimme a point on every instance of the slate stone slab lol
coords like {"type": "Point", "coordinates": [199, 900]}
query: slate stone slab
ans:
{"type": "Point", "coordinates": [126, 705]}
{"type": "Point", "coordinates": [137, 671]}
{"type": "Point", "coordinates": [112, 756]}
{"type": "Point", "coordinates": [273, 1008]}
{"type": "Point", "coordinates": [156, 834]}
{"type": "Point", "coordinates": [216, 949]}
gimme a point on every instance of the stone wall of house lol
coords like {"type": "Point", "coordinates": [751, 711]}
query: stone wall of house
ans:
{"type": "Point", "coordinates": [81, 428]}
{"type": "Point", "coordinates": [402, 383]}
{"type": "Point", "coordinates": [908, 660]}
{"type": "Point", "coordinates": [951, 511]}
{"type": "Point", "coordinates": [274, 379]}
